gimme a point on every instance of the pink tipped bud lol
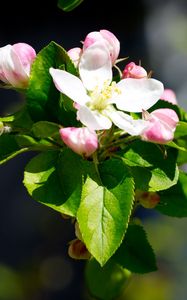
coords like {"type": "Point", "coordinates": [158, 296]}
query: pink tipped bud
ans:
{"type": "Point", "coordinates": [75, 54]}
{"type": "Point", "coordinates": [110, 40]}
{"type": "Point", "coordinates": [161, 125]}
{"type": "Point", "coordinates": [147, 199]}
{"type": "Point", "coordinates": [169, 95]}
{"type": "Point", "coordinates": [80, 140]}
{"type": "Point", "coordinates": [78, 250]}
{"type": "Point", "coordinates": [15, 64]}
{"type": "Point", "coordinates": [113, 44]}
{"type": "Point", "coordinates": [134, 71]}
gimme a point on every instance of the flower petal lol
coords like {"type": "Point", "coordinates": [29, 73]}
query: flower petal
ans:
{"type": "Point", "coordinates": [138, 94]}
{"type": "Point", "coordinates": [69, 85]}
{"type": "Point", "coordinates": [15, 64]}
{"type": "Point", "coordinates": [95, 66]}
{"type": "Point", "coordinates": [11, 67]}
{"type": "Point", "coordinates": [4, 53]}
{"type": "Point", "coordinates": [158, 132]}
{"type": "Point", "coordinates": [17, 71]}
{"type": "Point", "coordinates": [127, 123]}
{"type": "Point", "coordinates": [167, 116]}
{"type": "Point", "coordinates": [93, 119]}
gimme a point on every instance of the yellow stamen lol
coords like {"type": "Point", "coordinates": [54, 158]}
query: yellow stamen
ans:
{"type": "Point", "coordinates": [100, 98]}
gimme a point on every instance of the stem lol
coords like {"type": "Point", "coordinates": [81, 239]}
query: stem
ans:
{"type": "Point", "coordinates": [53, 142]}
{"type": "Point", "coordinates": [96, 162]}
{"type": "Point", "coordinates": [116, 143]}
{"type": "Point", "coordinates": [125, 140]}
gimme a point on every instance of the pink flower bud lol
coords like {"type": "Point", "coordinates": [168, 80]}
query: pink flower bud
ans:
{"type": "Point", "coordinates": [75, 54]}
{"type": "Point", "coordinates": [147, 199]}
{"type": "Point", "coordinates": [80, 140]}
{"type": "Point", "coordinates": [15, 63]}
{"type": "Point", "coordinates": [78, 250]}
{"type": "Point", "coordinates": [161, 125]}
{"type": "Point", "coordinates": [108, 38]}
{"type": "Point", "coordinates": [169, 95]}
{"type": "Point", "coordinates": [134, 71]}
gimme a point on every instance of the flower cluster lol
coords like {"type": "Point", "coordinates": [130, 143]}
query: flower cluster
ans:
{"type": "Point", "coordinates": [110, 139]}
{"type": "Point", "coordinates": [101, 102]}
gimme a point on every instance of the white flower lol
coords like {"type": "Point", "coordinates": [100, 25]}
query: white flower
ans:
{"type": "Point", "coordinates": [96, 94]}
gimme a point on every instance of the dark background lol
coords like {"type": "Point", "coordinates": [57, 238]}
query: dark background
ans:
{"type": "Point", "coordinates": [34, 264]}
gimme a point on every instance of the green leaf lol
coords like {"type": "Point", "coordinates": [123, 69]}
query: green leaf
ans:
{"type": "Point", "coordinates": [9, 148]}
{"type": "Point", "coordinates": [105, 283]}
{"type": "Point", "coordinates": [42, 95]}
{"type": "Point", "coordinates": [70, 173]}
{"type": "Point", "coordinates": [31, 144]}
{"type": "Point", "coordinates": [55, 179]}
{"type": "Point", "coordinates": [182, 155]}
{"type": "Point", "coordinates": [157, 179]}
{"type": "Point", "coordinates": [151, 167]}
{"type": "Point", "coordinates": [165, 104]}
{"type": "Point", "coordinates": [8, 119]}
{"type": "Point", "coordinates": [20, 120]}
{"type": "Point", "coordinates": [182, 114]}
{"type": "Point", "coordinates": [67, 112]}
{"type": "Point", "coordinates": [45, 129]}
{"type": "Point", "coordinates": [173, 202]}
{"type": "Point", "coordinates": [139, 154]}
{"type": "Point", "coordinates": [180, 142]}
{"type": "Point", "coordinates": [135, 253]}
{"type": "Point", "coordinates": [25, 141]}
{"type": "Point", "coordinates": [105, 209]}
{"type": "Point", "coordinates": [176, 146]}
{"type": "Point", "coordinates": [68, 5]}
{"type": "Point", "coordinates": [181, 130]}
{"type": "Point", "coordinates": [143, 154]}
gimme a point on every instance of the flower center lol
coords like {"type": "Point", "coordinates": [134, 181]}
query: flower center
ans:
{"type": "Point", "coordinates": [100, 97]}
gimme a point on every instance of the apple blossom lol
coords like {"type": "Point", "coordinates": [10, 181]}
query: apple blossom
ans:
{"type": "Point", "coordinates": [80, 140]}
{"type": "Point", "coordinates": [15, 63]}
{"type": "Point", "coordinates": [169, 95]}
{"type": "Point", "coordinates": [162, 125]}
{"type": "Point", "coordinates": [96, 94]}
{"type": "Point", "coordinates": [134, 71]}
{"type": "Point", "coordinates": [110, 40]}
{"type": "Point", "coordinates": [75, 54]}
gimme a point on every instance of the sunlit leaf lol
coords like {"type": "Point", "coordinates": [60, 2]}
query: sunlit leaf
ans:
{"type": "Point", "coordinates": [68, 5]}
{"type": "Point", "coordinates": [105, 209]}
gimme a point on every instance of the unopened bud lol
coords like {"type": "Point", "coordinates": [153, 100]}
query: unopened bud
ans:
{"type": "Point", "coordinates": [134, 71]}
{"type": "Point", "coordinates": [80, 140]}
{"type": "Point", "coordinates": [78, 250]}
{"type": "Point", "coordinates": [109, 39]}
{"type": "Point", "coordinates": [75, 54]}
{"type": "Point", "coordinates": [147, 199]}
{"type": "Point", "coordinates": [161, 125]}
{"type": "Point", "coordinates": [15, 64]}
{"type": "Point", "coordinates": [169, 95]}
